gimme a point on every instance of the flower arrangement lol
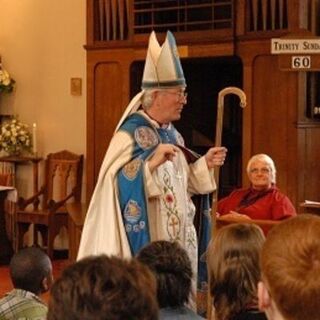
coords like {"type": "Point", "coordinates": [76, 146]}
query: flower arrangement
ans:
{"type": "Point", "coordinates": [6, 82]}
{"type": "Point", "coordinates": [15, 137]}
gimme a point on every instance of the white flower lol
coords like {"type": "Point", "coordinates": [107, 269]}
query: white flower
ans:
{"type": "Point", "coordinates": [15, 137]}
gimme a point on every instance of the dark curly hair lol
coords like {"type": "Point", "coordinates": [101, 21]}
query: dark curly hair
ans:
{"type": "Point", "coordinates": [104, 288]}
{"type": "Point", "coordinates": [172, 268]}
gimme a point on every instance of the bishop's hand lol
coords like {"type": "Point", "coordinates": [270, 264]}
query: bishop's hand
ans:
{"type": "Point", "coordinates": [216, 156]}
{"type": "Point", "coordinates": [162, 153]}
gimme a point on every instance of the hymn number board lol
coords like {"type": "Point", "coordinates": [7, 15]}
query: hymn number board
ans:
{"type": "Point", "coordinates": [302, 55]}
{"type": "Point", "coordinates": [297, 54]}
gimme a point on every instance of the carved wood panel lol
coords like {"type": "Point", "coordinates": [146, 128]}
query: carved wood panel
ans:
{"type": "Point", "coordinates": [309, 182]}
{"type": "Point", "coordinates": [274, 113]}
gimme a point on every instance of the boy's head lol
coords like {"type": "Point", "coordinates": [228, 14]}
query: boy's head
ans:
{"type": "Point", "coordinates": [290, 266]}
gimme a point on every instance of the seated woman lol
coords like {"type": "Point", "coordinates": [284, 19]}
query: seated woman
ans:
{"type": "Point", "coordinates": [234, 273]}
{"type": "Point", "coordinates": [262, 200]}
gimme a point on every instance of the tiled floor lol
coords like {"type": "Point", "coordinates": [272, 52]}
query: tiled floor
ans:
{"type": "Point", "coordinates": [5, 282]}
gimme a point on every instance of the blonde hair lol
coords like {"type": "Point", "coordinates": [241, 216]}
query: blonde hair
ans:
{"type": "Point", "coordinates": [266, 159]}
{"type": "Point", "coordinates": [233, 267]}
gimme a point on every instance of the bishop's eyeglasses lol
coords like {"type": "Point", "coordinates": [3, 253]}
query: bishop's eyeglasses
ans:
{"type": "Point", "coordinates": [179, 94]}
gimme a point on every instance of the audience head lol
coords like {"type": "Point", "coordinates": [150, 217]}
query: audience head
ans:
{"type": "Point", "coordinates": [103, 287]}
{"type": "Point", "coordinates": [233, 267]}
{"type": "Point", "coordinates": [31, 270]}
{"type": "Point", "coordinates": [290, 267]}
{"type": "Point", "coordinates": [172, 267]}
{"type": "Point", "coordinates": [261, 164]}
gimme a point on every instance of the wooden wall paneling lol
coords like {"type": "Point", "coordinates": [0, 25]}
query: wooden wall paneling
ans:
{"type": "Point", "coordinates": [246, 116]}
{"type": "Point", "coordinates": [108, 99]}
{"type": "Point", "coordinates": [298, 13]}
{"type": "Point", "coordinates": [264, 15]}
{"type": "Point", "coordinates": [102, 22]}
{"type": "Point", "coordinates": [292, 103]}
{"type": "Point", "coordinates": [90, 22]}
{"type": "Point", "coordinates": [109, 80]}
{"type": "Point", "coordinates": [208, 50]}
{"type": "Point", "coordinates": [255, 14]}
{"type": "Point", "coordinates": [301, 148]}
{"type": "Point", "coordinates": [267, 116]}
{"type": "Point", "coordinates": [301, 165]}
{"type": "Point", "coordinates": [248, 51]}
{"type": "Point", "coordinates": [311, 166]}
{"type": "Point", "coordinates": [270, 123]}
{"type": "Point", "coordinates": [90, 127]}
{"type": "Point", "coordinates": [240, 16]}
{"type": "Point", "coordinates": [254, 79]}
{"type": "Point", "coordinates": [312, 171]}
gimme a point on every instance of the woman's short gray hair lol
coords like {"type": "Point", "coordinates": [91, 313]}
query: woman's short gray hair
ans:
{"type": "Point", "coordinates": [264, 158]}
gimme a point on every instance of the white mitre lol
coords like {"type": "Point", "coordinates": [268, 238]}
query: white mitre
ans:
{"type": "Point", "coordinates": [162, 70]}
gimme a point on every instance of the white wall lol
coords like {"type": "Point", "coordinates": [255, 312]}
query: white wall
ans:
{"type": "Point", "coordinates": [41, 45]}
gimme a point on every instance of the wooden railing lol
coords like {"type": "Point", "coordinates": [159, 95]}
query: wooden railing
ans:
{"type": "Point", "coordinates": [123, 21]}
{"type": "Point", "coordinates": [271, 15]}
{"type": "Point", "coordinates": [314, 11]}
{"type": "Point", "coordinates": [113, 19]}
{"type": "Point", "coordinates": [266, 15]}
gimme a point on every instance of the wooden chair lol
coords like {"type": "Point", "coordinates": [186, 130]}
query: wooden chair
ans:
{"type": "Point", "coordinates": [265, 225]}
{"type": "Point", "coordinates": [62, 181]}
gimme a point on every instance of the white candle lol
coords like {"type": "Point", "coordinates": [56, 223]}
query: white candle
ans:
{"type": "Point", "coordinates": [34, 138]}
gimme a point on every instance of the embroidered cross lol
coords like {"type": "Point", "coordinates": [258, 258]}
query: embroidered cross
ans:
{"type": "Point", "coordinates": [173, 223]}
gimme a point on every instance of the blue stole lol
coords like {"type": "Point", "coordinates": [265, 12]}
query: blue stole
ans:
{"type": "Point", "coordinates": [204, 239]}
{"type": "Point", "coordinates": [132, 195]}
{"type": "Point", "coordinates": [130, 178]}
